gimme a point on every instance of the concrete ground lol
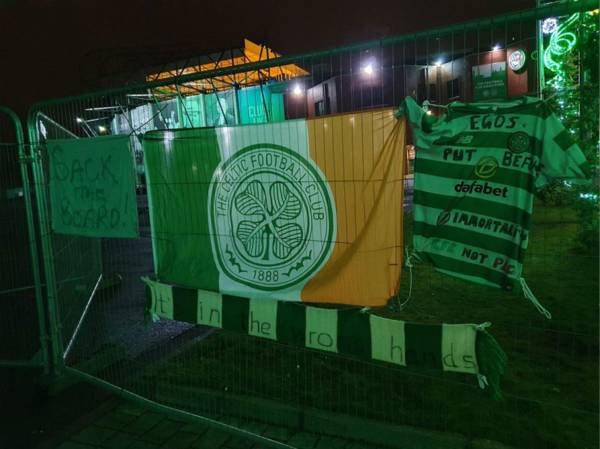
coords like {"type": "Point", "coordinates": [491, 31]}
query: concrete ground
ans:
{"type": "Point", "coordinates": [85, 417]}
{"type": "Point", "coordinates": [121, 425]}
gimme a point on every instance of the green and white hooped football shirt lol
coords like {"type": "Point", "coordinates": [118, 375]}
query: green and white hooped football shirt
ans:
{"type": "Point", "coordinates": [475, 173]}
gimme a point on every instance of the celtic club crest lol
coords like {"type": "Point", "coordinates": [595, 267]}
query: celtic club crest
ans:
{"type": "Point", "coordinates": [272, 217]}
{"type": "Point", "coordinates": [519, 142]}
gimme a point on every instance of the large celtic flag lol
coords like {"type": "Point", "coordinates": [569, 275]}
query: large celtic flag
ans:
{"type": "Point", "coordinates": [302, 210]}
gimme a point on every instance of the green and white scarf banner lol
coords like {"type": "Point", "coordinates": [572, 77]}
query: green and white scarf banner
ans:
{"type": "Point", "coordinates": [461, 348]}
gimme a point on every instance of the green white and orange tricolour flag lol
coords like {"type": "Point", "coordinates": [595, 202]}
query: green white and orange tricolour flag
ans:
{"type": "Point", "coordinates": [301, 210]}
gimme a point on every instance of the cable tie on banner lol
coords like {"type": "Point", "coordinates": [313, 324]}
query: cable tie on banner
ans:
{"type": "Point", "coordinates": [483, 326]}
{"type": "Point", "coordinates": [408, 263]}
{"type": "Point", "coordinates": [531, 297]}
{"type": "Point", "coordinates": [365, 310]}
{"type": "Point", "coordinates": [482, 380]}
{"type": "Point", "coordinates": [427, 105]}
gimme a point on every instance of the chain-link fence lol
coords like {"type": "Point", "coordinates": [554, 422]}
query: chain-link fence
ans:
{"type": "Point", "coordinates": [96, 298]}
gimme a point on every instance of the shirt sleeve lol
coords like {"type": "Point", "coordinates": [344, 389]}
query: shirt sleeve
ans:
{"type": "Point", "coordinates": [561, 156]}
{"type": "Point", "coordinates": [413, 112]}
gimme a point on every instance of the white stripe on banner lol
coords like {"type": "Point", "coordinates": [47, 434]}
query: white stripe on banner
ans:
{"type": "Point", "coordinates": [291, 134]}
{"type": "Point", "coordinates": [321, 329]}
{"type": "Point", "coordinates": [162, 300]}
{"type": "Point", "coordinates": [262, 318]}
{"type": "Point", "coordinates": [387, 340]}
{"type": "Point", "coordinates": [458, 348]}
{"type": "Point", "coordinates": [210, 308]}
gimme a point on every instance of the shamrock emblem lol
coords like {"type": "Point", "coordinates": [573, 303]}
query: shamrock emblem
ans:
{"type": "Point", "coordinates": [271, 232]}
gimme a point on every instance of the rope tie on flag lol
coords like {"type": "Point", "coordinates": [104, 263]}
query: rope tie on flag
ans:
{"type": "Point", "coordinates": [531, 297]}
{"type": "Point", "coordinates": [396, 306]}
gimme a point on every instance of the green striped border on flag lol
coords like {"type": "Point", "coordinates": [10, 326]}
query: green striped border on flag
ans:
{"type": "Point", "coordinates": [348, 332]}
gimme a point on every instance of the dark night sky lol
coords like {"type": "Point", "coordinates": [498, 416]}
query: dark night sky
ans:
{"type": "Point", "coordinates": [53, 48]}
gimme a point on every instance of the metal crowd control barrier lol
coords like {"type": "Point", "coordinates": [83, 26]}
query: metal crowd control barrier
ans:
{"type": "Point", "coordinates": [22, 322]}
{"type": "Point", "coordinates": [96, 300]}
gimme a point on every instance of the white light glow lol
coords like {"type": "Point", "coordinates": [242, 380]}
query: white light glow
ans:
{"type": "Point", "coordinates": [79, 120]}
{"type": "Point", "coordinates": [168, 140]}
{"type": "Point", "coordinates": [438, 63]}
{"type": "Point", "coordinates": [368, 69]}
{"type": "Point", "coordinates": [496, 47]}
{"type": "Point", "coordinates": [550, 25]}
{"type": "Point", "coordinates": [104, 108]}
{"type": "Point", "coordinates": [102, 129]}
{"type": "Point", "coordinates": [297, 90]}
{"type": "Point", "coordinates": [43, 130]}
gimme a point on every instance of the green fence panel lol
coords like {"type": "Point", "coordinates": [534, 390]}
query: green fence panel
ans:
{"type": "Point", "coordinates": [22, 322]}
{"type": "Point", "coordinates": [551, 384]}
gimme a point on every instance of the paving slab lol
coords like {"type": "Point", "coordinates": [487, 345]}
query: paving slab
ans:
{"type": "Point", "coordinates": [239, 443]}
{"type": "Point", "coordinates": [326, 442]}
{"type": "Point", "coordinates": [180, 440]}
{"type": "Point", "coordinates": [162, 431]}
{"type": "Point", "coordinates": [116, 420]}
{"type": "Point", "coordinates": [303, 440]}
{"type": "Point", "coordinates": [93, 435]}
{"type": "Point", "coordinates": [74, 445]}
{"type": "Point", "coordinates": [212, 439]}
{"type": "Point", "coordinates": [143, 423]}
{"type": "Point", "coordinates": [278, 433]}
{"type": "Point", "coordinates": [198, 429]}
{"type": "Point", "coordinates": [254, 427]}
{"type": "Point", "coordinates": [131, 409]}
{"type": "Point", "coordinates": [141, 445]}
{"type": "Point", "coordinates": [120, 440]}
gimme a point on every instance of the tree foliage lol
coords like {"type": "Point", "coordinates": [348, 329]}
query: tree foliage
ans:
{"type": "Point", "coordinates": [572, 92]}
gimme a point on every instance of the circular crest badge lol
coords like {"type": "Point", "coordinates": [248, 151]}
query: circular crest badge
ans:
{"type": "Point", "coordinates": [519, 142]}
{"type": "Point", "coordinates": [272, 217]}
{"type": "Point", "coordinates": [486, 167]}
{"type": "Point", "coordinates": [517, 60]}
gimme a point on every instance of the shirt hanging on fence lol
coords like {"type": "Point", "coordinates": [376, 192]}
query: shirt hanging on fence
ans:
{"type": "Point", "coordinates": [475, 173]}
{"type": "Point", "coordinates": [92, 187]}
{"type": "Point", "coordinates": [303, 210]}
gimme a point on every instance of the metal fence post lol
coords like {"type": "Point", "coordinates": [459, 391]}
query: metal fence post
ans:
{"type": "Point", "coordinates": [31, 231]}
{"type": "Point", "coordinates": [47, 251]}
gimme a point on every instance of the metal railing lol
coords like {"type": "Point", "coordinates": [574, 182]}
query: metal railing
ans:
{"type": "Point", "coordinates": [22, 324]}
